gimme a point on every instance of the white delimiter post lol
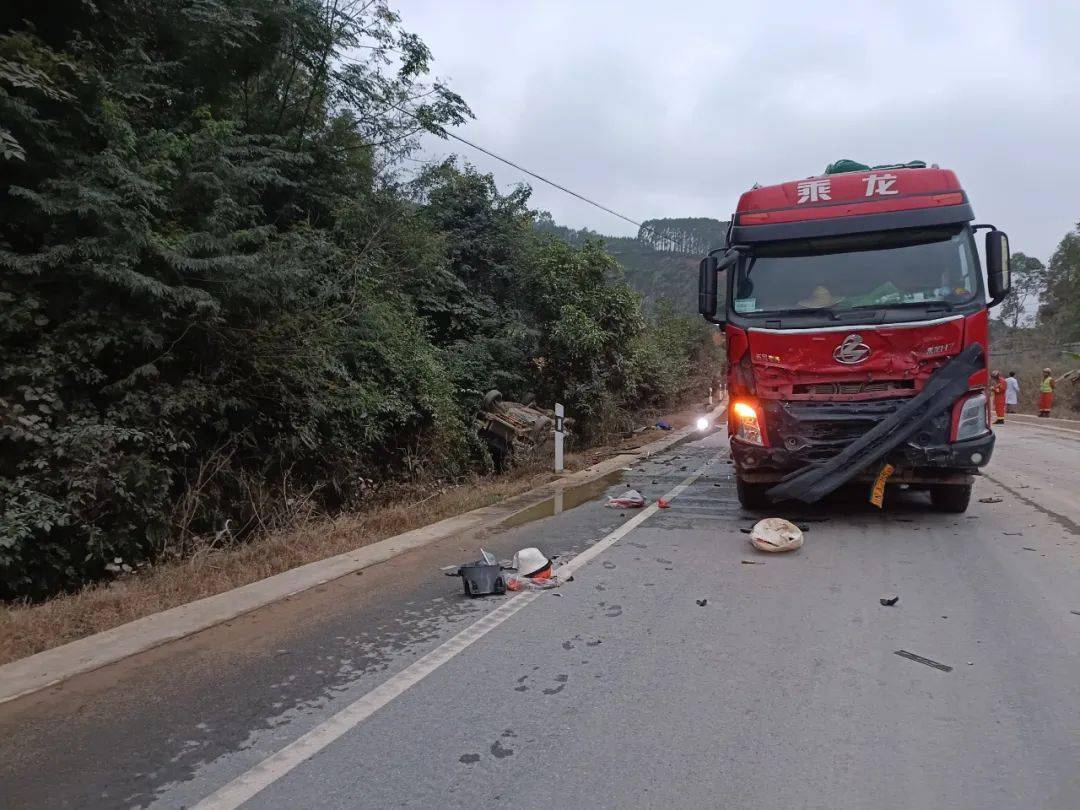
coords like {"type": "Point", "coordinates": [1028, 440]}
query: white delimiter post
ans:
{"type": "Point", "coordinates": [559, 414]}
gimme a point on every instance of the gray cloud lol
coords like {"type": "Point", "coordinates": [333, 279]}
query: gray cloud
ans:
{"type": "Point", "coordinates": [674, 109]}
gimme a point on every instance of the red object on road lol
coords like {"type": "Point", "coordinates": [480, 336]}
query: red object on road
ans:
{"type": "Point", "coordinates": [663, 504]}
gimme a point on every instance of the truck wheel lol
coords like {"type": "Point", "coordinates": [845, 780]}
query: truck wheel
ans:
{"type": "Point", "coordinates": [751, 496]}
{"type": "Point", "coordinates": [950, 497]}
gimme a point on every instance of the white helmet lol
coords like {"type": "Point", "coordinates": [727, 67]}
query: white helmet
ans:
{"type": "Point", "coordinates": [530, 560]}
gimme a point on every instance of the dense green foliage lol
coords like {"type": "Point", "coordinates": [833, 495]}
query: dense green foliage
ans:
{"type": "Point", "coordinates": [220, 297]}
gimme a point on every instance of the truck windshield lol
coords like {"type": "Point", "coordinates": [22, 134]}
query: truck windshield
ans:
{"type": "Point", "coordinates": [876, 270]}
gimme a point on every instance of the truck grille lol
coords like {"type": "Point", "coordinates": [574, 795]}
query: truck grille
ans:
{"type": "Point", "coordinates": [857, 387]}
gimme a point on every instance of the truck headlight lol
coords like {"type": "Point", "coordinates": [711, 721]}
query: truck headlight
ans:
{"type": "Point", "coordinates": [972, 420]}
{"type": "Point", "coordinates": [747, 426]}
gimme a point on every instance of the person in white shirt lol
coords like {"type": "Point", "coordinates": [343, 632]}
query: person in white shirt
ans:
{"type": "Point", "coordinates": [1012, 392]}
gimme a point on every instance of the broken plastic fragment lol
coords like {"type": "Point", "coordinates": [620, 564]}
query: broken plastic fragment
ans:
{"type": "Point", "coordinates": [776, 534]}
{"type": "Point", "coordinates": [631, 499]}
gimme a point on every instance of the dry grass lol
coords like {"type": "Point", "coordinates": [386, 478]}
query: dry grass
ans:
{"type": "Point", "coordinates": [29, 628]}
{"type": "Point", "coordinates": [26, 629]}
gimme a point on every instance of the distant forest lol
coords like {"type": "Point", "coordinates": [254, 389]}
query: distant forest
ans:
{"type": "Point", "coordinates": [661, 261]}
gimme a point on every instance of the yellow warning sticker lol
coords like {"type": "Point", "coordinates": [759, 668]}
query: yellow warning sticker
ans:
{"type": "Point", "coordinates": [877, 494]}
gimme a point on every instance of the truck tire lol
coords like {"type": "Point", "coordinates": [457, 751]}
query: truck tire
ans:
{"type": "Point", "coordinates": [751, 496]}
{"type": "Point", "coordinates": [953, 498]}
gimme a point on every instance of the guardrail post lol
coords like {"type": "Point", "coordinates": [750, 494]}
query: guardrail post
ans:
{"type": "Point", "coordinates": [559, 414]}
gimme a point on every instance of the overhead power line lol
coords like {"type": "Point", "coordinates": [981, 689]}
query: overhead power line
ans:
{"type": "Point", "coordinates": [541, 178]}
{"type": "Point", "coordinates": [507, 161]}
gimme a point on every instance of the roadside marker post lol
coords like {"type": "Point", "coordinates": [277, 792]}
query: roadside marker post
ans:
{"type": "Point", "coordinates": [559, 414]}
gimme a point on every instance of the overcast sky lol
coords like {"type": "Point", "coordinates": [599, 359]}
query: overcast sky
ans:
{"type": "Point", "coordinates": [674, 108]}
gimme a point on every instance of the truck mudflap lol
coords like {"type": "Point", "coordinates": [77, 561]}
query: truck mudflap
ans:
{"type": "Point", "coordinates": [945, 386]}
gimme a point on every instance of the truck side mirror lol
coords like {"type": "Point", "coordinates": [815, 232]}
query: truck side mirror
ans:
{"type": "Point", "coordinates": [998, 273]}
{"type": "Point", "coordinates": [707, 287]}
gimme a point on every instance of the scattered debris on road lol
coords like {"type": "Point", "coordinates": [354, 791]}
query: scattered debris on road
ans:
{"type": "Point", "coordinates": [663, 503]}
{"type": "Point", "coordinates": [775, 534]}
{"type": "Point", "coordinates": [631, 499]}
{"type": "Point", "coordinates": [1013, 534]}
{"type": "Point", "coordinates": [480, 578]}
{"type": "Point", "coordinates": [991, 499]}
{"type": "Point", "coordinates": [702, 602]}
{"type": "Point", "coordinates": [534, 571]}
{"type": "Point", "coordinates": [918, 658]}
{"type": "Point", "coordinates": [532, 562]}
{"type": "Point", "coordinates": [745, 529]}
{"type": "Point", "coordinates": [753, 562]}
{"type": "Point", "coordinates": [1028, 548]}
{"type": "Point", "coordinates": [1076, 612]}
{"type": "Point", "coordinates": [889, 601]}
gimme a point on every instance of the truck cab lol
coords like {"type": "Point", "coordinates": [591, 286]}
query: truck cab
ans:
{"type": "Point", "coordinates": [841, 297]}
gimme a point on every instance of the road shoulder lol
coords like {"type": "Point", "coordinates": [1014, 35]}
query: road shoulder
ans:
{"type": "Point", "coordinates": [51, 667]}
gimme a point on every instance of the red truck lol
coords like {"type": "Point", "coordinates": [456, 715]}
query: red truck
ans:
{"type": "Point", "coordinates": [856, 318]}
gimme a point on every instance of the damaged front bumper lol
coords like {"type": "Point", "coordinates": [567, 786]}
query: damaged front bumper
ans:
{"type": "Point", "coordinates": [947, 463]}
{"type": "Point", "coordinates": [916, 422]}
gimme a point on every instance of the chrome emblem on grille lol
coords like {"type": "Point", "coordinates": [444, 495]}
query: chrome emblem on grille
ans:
{"type": "Point", "coordinates": [851, 351]}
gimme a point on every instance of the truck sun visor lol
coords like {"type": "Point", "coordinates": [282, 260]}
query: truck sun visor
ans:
{"type": "Point", "coordinates": [815, 481]}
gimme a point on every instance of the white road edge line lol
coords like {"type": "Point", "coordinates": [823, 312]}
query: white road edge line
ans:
{"type": "Point", "coordinates": [275, 766]}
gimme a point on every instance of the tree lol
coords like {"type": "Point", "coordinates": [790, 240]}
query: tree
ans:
{"type": "Point", "coordinates": [1060, 310]}
{"type": "Point", "coordinates": [220, 298]}
{"type": "Point", "coordinates": [1028, 286]}
{"type": "Point", "coordinates": [193, 232]}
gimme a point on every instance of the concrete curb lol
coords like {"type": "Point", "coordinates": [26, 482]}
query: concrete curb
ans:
{"type": "Point", "coordinates": [51, 667]}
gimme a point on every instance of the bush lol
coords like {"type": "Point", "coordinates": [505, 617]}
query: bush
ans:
{"type": "Point", "coordinates": [219, 298]}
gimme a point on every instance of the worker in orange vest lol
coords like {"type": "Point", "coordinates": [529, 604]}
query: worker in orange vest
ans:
{"type": "Point", "coordinates": [997, 388]}
{"type": "Point", "coordinates": [1046, 394]}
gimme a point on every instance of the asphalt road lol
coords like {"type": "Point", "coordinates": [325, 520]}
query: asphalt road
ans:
{"type": "Point", "coordinates": [619, 689]}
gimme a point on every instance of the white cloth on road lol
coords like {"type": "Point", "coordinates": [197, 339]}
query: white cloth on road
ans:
{"type": "Point", "coordinates": [1012, 391]}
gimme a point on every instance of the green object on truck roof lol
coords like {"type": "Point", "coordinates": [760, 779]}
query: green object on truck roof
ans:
{"type": "Point", "coordinates": [845, 165]}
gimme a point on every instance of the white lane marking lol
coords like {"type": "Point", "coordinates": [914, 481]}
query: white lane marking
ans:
{"type": "Point", "coordinates": [245, 786]}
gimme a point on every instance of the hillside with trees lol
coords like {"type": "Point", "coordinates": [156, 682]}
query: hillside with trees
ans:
{"type": "Point", "coordinates": [221, 292]}
{"type": "Point", "coordinates": [1038, 323]}
{"type": "Point", "coordinates": [661, 263]}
